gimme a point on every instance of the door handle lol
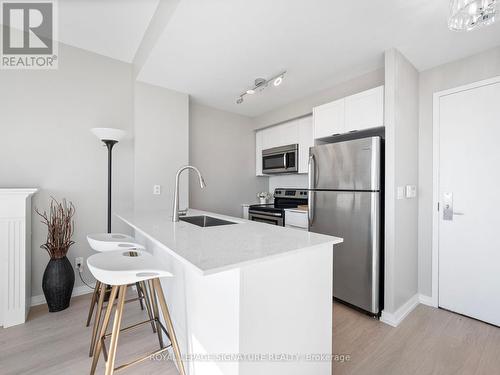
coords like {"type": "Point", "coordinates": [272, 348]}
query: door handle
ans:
{"type": "Point", "coordinates": [310, 172]}
{"type": "Point", "coordinates": [285, 164]}
{"type": "Point", "coordinates": [448, 212]}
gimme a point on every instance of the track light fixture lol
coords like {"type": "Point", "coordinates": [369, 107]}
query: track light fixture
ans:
{"type": "Point", "coordinates": [261, 84]}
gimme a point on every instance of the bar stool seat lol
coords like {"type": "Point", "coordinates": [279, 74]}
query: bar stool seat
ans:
{"type": "Point", "coordinates": [112, 241]}
{"type": "Point", "coordinates": [125, 267]}
{"type": "Point", "coordinates": [118, 269]}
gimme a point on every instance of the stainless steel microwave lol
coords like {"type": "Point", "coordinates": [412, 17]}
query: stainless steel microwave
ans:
{"type": "Point", "coordinates": [284, 159]}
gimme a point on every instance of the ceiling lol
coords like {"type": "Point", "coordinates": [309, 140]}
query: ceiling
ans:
{"type": "Point", "coordinates": [213, 50]}
{"type": "Point", "coordinates": [112, 28]}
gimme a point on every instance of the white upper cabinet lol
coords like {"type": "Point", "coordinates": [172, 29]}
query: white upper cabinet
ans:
{"type": "Point", "coordinates": [280, 135]}
{"type": "Point", "coordinates": [258, 152]}
{"type": "Point", "coordinates": [329, 119]}
{"type": "Point", "coordinates": [306, 140]}
{"type": "Point", "coordinates": [365, 110]}
{"type": "Point", "coordinates": [356, 112]}
{"type": "Point", "coordinates": [299, 131]}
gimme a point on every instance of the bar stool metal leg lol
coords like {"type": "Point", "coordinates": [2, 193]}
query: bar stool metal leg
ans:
{"type": "Point", "coordinates": [155, 311]}
{"type": "Point", "coordinates": [170, 327]}
{"type": "Point", "coordinates": [146, 296]}
{"type": "Point", "coordinates": [105, 323]}
{"type": "Point", "coordinates": [93, 302]}
{"type": "Point", "coordinates": [97, 318]}
{"type": "Point", "coordinates": [139, 294]}
{"type": "Point", "coordinates": [110, 363]}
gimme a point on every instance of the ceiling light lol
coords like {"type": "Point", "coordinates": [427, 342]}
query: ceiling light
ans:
{"type": "Point", "coordinates": [466, 15]}
{"type": "Point", "coordinates": [260, 84]}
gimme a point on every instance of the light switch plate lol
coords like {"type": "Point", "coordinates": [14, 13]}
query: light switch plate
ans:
{"type": "Point", "coordinates": [156, 189]}
{"type": "Point", "coordinates": [400, 192]}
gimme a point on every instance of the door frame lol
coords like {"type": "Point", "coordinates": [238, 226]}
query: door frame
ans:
{"type": "Point", "coordinates": [435, 176]}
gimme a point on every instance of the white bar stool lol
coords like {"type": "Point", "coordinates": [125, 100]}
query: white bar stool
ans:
{"type": "Point", "coordinates": [105, 242]}
{"type": "Point", "coordinates": [119, 269]}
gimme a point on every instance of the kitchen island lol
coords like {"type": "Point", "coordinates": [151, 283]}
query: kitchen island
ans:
{"type": "Point", "coordinates": [246, 298]}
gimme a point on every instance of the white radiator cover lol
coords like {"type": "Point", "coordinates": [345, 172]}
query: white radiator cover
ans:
{"type": "Point", "coordinates": [15, 255]}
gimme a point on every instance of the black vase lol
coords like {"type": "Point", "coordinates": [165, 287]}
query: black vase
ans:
{"type": "Point", "coordinates": [57, 283]}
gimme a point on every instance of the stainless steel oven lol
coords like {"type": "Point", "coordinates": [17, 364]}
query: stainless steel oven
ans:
{"type": "Point", "coordinates": [284, 159]}
{"type": "Point", "coordinates": [266, 217]}
{"type": "Point", "coordinates": [274, 213]}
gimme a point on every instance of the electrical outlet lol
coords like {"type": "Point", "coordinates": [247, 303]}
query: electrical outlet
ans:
{"type": "Point", "coordinates": [156, 189]}
{"type": "Point", "coordinates": [79, 263]}
{"type": "Point", "coordinates": [410, 191]}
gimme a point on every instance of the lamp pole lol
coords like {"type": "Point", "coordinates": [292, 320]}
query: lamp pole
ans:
{"type": "Point", "coordinates": [110, 137]}
{"type": "Point", "coordinates": [109, 144]}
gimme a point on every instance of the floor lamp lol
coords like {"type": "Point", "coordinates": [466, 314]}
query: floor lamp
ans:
{"type": "Point", "coordinates": [110, 137]}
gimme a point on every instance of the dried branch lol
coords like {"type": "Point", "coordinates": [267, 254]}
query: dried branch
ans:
{"type": "Point", "coordinates": [60, 227]}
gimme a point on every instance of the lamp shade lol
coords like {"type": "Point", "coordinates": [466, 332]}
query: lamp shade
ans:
{"type": "Point", "coordinates": [109, 134]}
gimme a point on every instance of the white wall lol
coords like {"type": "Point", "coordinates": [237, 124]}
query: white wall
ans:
{"type": "Point", "coordinates": [222, 146]}
{"type": "Point", "coordinates": [475, 68]}
{"type": "Point", "coordinates": [45, 142]}
{"type": "Point", "coordinates": [401, 224]}
{"type": "Point", "coordinates": [161, 133]}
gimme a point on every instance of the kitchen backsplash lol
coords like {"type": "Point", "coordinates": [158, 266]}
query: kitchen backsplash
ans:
{"type": "Point", "coordinates": [288, 181]}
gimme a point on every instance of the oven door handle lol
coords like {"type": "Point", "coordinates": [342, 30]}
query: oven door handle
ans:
{"type": "Point", "coordinates": [259, 214]}
{"type": "Point", "coordinates": [285, 165]}
{"type": "Point", "coordinates": [276, 220]}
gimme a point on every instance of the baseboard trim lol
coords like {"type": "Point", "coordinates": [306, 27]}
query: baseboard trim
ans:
{"type": "Point", "coordinates": [78, 291]}
{"type": "Point", "coordinates": [394, 319]}
{"type": "Point", "coordinates": [426, 300]}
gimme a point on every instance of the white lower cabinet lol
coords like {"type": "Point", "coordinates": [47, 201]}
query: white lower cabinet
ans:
{"type": "Point", "coordinates": [244, 210]}
{"type": "Point", "coordinates": [296, 219]}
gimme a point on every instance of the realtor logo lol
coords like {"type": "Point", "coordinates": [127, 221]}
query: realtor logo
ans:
{"type": "Point", "coordinates": [28, 35]}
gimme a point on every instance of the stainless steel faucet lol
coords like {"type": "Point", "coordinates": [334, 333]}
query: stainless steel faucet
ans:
{"type": "Point", "coordinates": [175, 212]}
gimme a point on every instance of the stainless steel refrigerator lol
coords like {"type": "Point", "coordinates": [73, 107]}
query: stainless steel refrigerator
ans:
{"type": "Point", "coordinates": [345, 201]}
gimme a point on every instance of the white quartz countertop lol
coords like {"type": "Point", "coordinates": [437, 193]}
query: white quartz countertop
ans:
{"type": "Point", "coordinates": [216, 249]}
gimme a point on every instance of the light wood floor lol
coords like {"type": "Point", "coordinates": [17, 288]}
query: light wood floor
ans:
{"type": "Point", "coordinates": [429, 341]}
{"type": "Point", "coordinates": [58, 343]}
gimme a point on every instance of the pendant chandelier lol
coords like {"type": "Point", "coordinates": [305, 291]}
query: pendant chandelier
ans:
{"type": "Point", "coordinates": [466, 15]}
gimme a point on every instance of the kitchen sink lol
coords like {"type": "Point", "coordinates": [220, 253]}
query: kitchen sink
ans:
{"type": "Point", "coordinates": [205, 221]}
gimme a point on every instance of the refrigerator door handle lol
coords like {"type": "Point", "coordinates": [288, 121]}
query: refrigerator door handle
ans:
{"type": "Point", "coordinates": [311, 202]}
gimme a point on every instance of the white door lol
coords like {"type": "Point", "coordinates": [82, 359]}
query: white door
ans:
{"type": "Point", "coordinates": [469, 170]}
